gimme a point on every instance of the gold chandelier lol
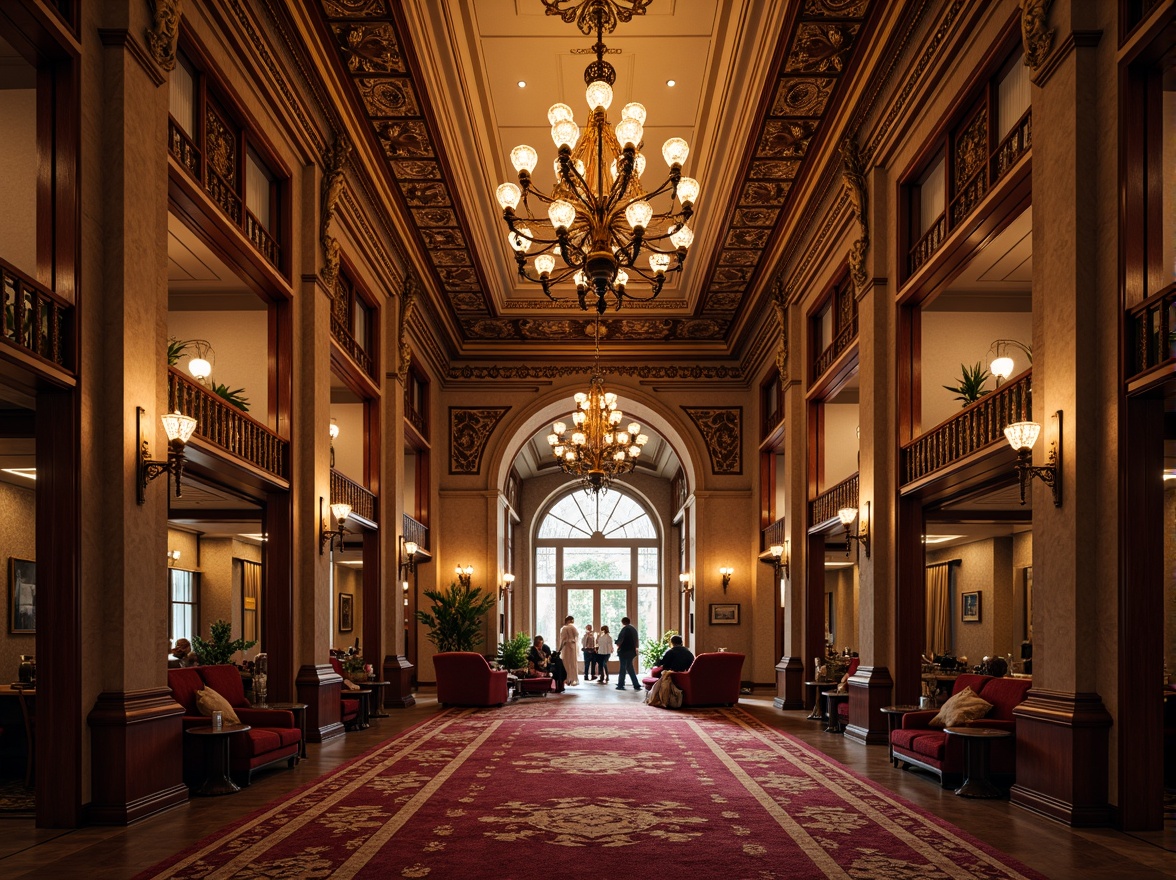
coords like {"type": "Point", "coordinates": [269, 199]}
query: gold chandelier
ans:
{"type": "Point", "coordinates": [597, 451]}
{"type": "Point", "coordinates": [600, 222]}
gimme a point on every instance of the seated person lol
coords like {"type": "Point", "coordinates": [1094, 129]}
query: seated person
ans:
{"type": "Point", "coordinates": [539, 658]}
{"type": "Point", "coordinates": [677, 659]}
{"type": "Point", "coordinates": [183, 654]}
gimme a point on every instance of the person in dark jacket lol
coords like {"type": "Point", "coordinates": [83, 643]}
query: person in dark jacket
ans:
{"type": "Point", "coordinates": [678, 658]}
{"type": "Point", "coordinates": [627, 654]}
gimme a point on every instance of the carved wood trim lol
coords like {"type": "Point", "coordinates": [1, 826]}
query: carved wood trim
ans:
{"type": "Point", "coordinates": [164, 32]}
{"type": "Point", "coordinates": [853, 170]}
{"type": "Point", "coordinates": [335, 159]}
{"type": "Point", "coordinates": [469, 432]}
{"type": "Point", "coordinates": [722, 431]}
{"type": "Point", "coordinates": [1036, 35]}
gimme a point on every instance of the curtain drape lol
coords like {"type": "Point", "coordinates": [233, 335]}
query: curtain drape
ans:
{"type": "Point", "coordinates": [251, 600]}
{"type": "Point", "coordinates": [938, 608]}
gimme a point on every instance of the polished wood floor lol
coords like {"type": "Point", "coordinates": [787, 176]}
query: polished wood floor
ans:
{"type": "Point", "coordinates": [1054, 850]}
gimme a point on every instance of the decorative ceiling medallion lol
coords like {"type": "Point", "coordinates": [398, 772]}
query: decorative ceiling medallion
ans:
{"type": "Point", "coordinates": [722, 430]}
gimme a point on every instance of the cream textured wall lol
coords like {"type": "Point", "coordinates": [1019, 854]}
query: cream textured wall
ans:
{"type": "Point", "coordinates": [17, 539]}
{"type": "Point", "coordinates": [239, 340]}
{"type": "Point", "coordinates": [841, 443]}
{"type": "Point", "coordinates": [349, 444]}
{"type": "Point", "coordinates": [348, 580]}
{"type": "Point", "coordinates": [987, 567]}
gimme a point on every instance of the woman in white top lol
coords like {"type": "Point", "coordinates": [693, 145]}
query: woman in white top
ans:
{"type": "Point", "coordinates": [588, 649]}
{"type": "Point", "coordinates": [604, 647]}
{"type": "Point", "coordinates": [569, 647]}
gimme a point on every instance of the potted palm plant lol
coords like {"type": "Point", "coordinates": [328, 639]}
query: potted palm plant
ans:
{"type": "Point", "coordinates": [971, 384]}
{"type": "Point", "coordinates": [455, 619]}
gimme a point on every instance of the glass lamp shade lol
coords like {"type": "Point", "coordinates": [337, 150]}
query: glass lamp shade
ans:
{"type": "Point", "coordinates": [565, 134]}
{"type": "Point", "coordinates": [1022, 435]}
{"type": "Point", "coordinates": [638, 166]}
{"type": "Point", "coordinates": [777, 550]}
{"type": "Point", "coordinates": [559, 427]}
{"type": "Point", "coordinates": [622, 278]}
{"type": "Point", "coordinates": [682, 237]}
{"type": "Point", "coordinates": [410, 548]}
{"type": "Point", "coordinates": [642, 439]}
{"type": "Point", "coordinates": [675, 151]}
{"type": "Point", "coordinates": [562, 214]}
{"type": "Point", "coordinates": [610, 399]}
{"type": "Point", "coordinates": [544, 263]}
{"type": "Point", "coordinates": [684, 577]}
{"type": "Point", "coordinates": [579, 417]}
{"type": "Point", "coordinates": [199, 368]}
{"type": "Point", "coordinates": [560, 112]}
{"type": "Point", "coordinates": [578, 439]}
{"type": "Point", "coordinates": [598, 94]}
{"type": "Point", "coordinates": [688, 189]}
{"type": "Point", "coordinates": [608, 439]}
{"type": "Point", "coordinates": [619, 455]}
{"type": "Point", "coordinates": [659, 263]}
{"type": "Point", "coordinates": [340, 511]}
{"type": "Point", "coordinates": [629, 132]}
{"type": "Point", "coordinates": [581, 398]}
{"type": "Point", "coordinates": [634, 451]}
{"type": "Point", "coordinates": [1001, 367]}
{"type": "Point", "coordinates": [634, 110]}
{"type": "Point", "coordinates": [178, 426]}
{"type": "Point", "coordinates": [518, 241]}
{"type": "Point", "coordinates": [508, 195]}
{"type": "Point", "coordinates": [524, 158]}
{"type": "Point", "coordinates": [333, 430]}
{"type": "Point", "coordinates": [634, 428]}
{"type": "Point", "coordinates": [553, 439]}
{"type": "Point", "coordinates": [639, 214]}
{"type": "Point", "coordinates": [569, 455]}
{"type": "Point", "coordinates": [847, 515]}
{"type": "Point", "coordinates": [726, 570]}
{"type": "Point", "coordinates": [508, 578]}
{"type": "Point", "coordinates": [623, 438]}
{"type": "Point", "coordinates": [559, 171]}
{"type": "Point", "coordinates": [615, 417]}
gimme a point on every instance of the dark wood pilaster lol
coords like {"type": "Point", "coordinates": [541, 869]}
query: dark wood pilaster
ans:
{"type": "Point", "coordinates": [1062, 757]}
{"type": "Point", "coordinates": [137, 740]}
{"type": "Point", "coordinates": [910, 618]}
{"type": "Point", "coordinates": [319, 687]}
{"type": "Point", "coordinates": [278, 599]}
{"type": "Point", "coordinates": [398, 673]}
{"type": "Point", "coordinates": [373, 595]}
{"type": "Point", "coordinates": [789, 683]}
{"type": "Point", "coordinates": [870, 688]}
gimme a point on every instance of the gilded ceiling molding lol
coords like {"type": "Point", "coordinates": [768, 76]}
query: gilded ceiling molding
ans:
{"type": "Point", "coordinates": [334, 178]}
{"type": "Point", "coordinates": [408, 297]}
{"type": "Point", "coordinates": [1036, 37]}
{"type": "Point", "coordinates": [474, 372]}
{"type": "Point", "coordinates": [164, 32]}
{"type": "Point", "coordinates": [780, 302]}
{"type": "Point", "coordinates": [469, 432]}
{"type": "Point", "coordinates": [854, 173]}
{"type": "Point", "coordinates": [584, 12]}
{"type": "Point", "coordinates": [722, 431]}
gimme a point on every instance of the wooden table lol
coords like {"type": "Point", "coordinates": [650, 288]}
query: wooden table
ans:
{"type": "Point", "coordinates": [363, 721]}
{"type": "Point", "coordinates": [977, 745]}
{"type": "Point", "coordinates": [216, 758]}
{"type": "Point", "coordinates": [298, 710]}
{"type": "Point", "coordinates": [833, 699]}
{"type": "Point", "coordinates": [817, 714]}
{"type": "Point", "coordinates": [378, 697]}
{"type": "Point", "coordinates": [893, 722]}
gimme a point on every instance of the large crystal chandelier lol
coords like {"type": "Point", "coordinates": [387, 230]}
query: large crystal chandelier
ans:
{"type": "Point", "coordinates": [602, 228]}
{"type": "Point", "coordinates": [598, 450]}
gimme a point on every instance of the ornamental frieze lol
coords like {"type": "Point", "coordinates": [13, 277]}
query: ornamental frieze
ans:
{"type": "Point", "coordinates": [469, 432]}
{"type": "Point", "coordinates": [722, 431]}
{"type": "Point", "coordinates": [695, 373]}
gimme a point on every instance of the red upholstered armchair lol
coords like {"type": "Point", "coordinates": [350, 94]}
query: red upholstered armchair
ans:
{"type": "Point", "coordinates": [273, 735]}
{"type": "Point", "coordinates": [711, 680]}
{"type": "Point", "coordinates": [348, 706]}
{"type": "Point", "coordinates": [464, 678]}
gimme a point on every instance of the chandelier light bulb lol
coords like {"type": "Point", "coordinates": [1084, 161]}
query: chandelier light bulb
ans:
{"type": "Point", "coordinates": [565, 133]}
{"type": "Point", "coordinates": [580, 278]}
{"type": "Point", "coordinates": [622, 278]}
{"type": "Point", "coordinates": [199, 368]}
{"type": "Point", "coordinates": [578, 418]}
{"type": "Point", "coordinates": [634, 110]}
{"type": "Point", "coordinates": [639, 214]}
{"type": "Point", "coordinates": [682, 237]}
{"type": "Point", "coordinates": [608, 439]}
{"type": "Point", "coordinates": [333, 430]}
{"type": "Point", "coordinates": [619, 455]}
{"type": "Point", "coordinates": [675, 151]}
{"type": "Point", "coordinates": [634, 451]}
{"type": "Point", "coordinates": [659, 263]}
{"type": "Point", "coordinates": [629, 132]}
{"type": "Point", "coordinates": [544, 263]}
{"type": "Point", "coordinates": [622, 438]}
{"type": "Point", "coordinates": [610, 399]}
{"type": "Point", "coordinates": [580, 398]}
{"type": "Point", "coordinates": [615, 417]}
{"type": "Point", "coordinates": [524, 158]}
{"type": "Point", "coordinates": [1001, 367]}
{"type": "Point", "coordinates": [552, 439]}
{"type": "Point", "coordinates": [559, 112]}
{"type": "Point", "coordinates": [559, 450]}
{"type": "Point", "coordinates": [579, 439]}
{"type": "Point", "coordinates": [508, 195]}
{"type": "Point", "coordinates": [562, 214]}
{"type": "Point", "coordinates": [520, 240]}
{"type": "Point", "coordinates": [634, 428]}
{"type": "Point", "coordinates": [599, 95]}
{"type": "Point", "coordinates": [688, 190]}
{"type": "Point", "coordinates": [569, 456]}
{"type": "Point", "coordinates": [559, 427]}
{"type": "Point", "coordinates": [642, 439]}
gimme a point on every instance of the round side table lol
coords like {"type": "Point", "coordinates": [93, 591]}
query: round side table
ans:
{"type": "Point", "coordinates": [216, 758]}
{"type": "Point", "coordinates": [298, 710]}
{"type": "Point", "coordinates": [812, 693]}
{"type": "Point", "coordinates": [977, 745]}
{"type": "Point", "coordinates": [832, 701]}
{"type": "Point", "coordinates": [894, 722]}
{"type": "Point", "coordinates": [377, 687]}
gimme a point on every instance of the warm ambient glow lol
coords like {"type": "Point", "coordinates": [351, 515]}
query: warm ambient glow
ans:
{"type": "Point", "coordinates": [726, 571]}
{"type": "Point", "coordinates": [1022, 435]}
{"type": "Point", "coordinates": [467, 570]}
{"type": "Point", "coordinates": [27, 473]}
{"type": "Point", "coordinates": [1002, 365]}
{"type": "Point", "coordinates": [341, 511]}
{"type": "Point", "coordinates": [847, 515]}
{"type": "Point", "coordinates": [410, 548]}
{"type": "Point", "coordinates": [178, 427]}
{"type": "Point", "coordinates": [777, 550]}
{"type": "Point", "coordinates": [200, 368]}
{"type": "Point", "coordinates": [333, 430]}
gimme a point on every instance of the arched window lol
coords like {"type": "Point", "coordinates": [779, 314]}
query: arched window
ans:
{"type": "Point", "coordinates": [597, 557]}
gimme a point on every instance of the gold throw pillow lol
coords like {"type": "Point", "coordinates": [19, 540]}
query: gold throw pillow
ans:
{"type": "Point", "coordinates": [960, 709]}
{"type": "Point", "coordinates": [209, 701]}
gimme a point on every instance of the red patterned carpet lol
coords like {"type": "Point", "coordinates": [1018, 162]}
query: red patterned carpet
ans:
{"type": "Point", "coordinates": [545, 789]}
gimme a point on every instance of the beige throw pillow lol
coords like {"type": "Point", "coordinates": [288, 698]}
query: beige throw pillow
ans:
{"type": "Point", "coordinates": [209, 701]}
{"type": "Point", "coordinates": [960, 709]}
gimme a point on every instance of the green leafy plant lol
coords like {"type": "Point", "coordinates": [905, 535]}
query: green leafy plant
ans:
{"type": "Point", "coordinates": [972, 382]}
{"type": "Point", "coordinates": [455, 620]}
{"type": "Point", "coordinates": [651, 652]}
{"type": "Point", "coordinates": [176, 349]}
{"type": "Point", "coordinates": [236, 396]}
{"type": "Point", "coordinates": [512, 653]}
{"type": "Point", "coordinates": [221, 648]}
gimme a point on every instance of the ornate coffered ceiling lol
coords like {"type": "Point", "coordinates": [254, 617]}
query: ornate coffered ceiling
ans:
{"type": "Point", "coordinates": [437, 83]}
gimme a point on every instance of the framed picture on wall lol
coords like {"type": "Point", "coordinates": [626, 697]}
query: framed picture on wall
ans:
{"type": "Point", "coordinates": [346, 612]}
{"type": "Point", "coordinates": [22, 595]}
{"type": "Point", "coordinates": [725, 614]}
{"type": "Point", "coordinates": [970, 607]}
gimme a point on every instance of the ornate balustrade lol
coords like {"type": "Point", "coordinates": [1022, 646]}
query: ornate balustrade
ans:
{"type": "Point", "coordinates": [411, 415]}
{"type": "Point", "coordinates": [341, 335]}
{"type": "Point", "coordinates": [773, 534]}
{"type": "Point", "coordinates": [346, 491]}
{"type": "Point", "coordinates": [977, 425]}
{"type": "Point", "coordinates": [1151, 330]}
{"type": "Point", "coordinates": [224, 425]}
{"type": "Point", "coordinates": [840, 343]}
{"type": "Point", "coordinates": [35, 319]}
{"type": "Point", "coordinates": [415, 531]}
{"type": "Point", "coordinates": [1015, 144]}
{"type": "Point", "coordinates": [183, 148]}
{"type": "Point", "coordinates": [261, 239]}
{"type": "Point", "coordinates": [929, 243]}
{"type": "Point", "coordinates": [825, 506]}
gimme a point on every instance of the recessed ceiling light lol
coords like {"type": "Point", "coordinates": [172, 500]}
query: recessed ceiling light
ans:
{"type": "Point", "coordinates": [671, 82]}
{"type": "Point", "coordinates": [27, 473]}
{"type": "Point", "coordinates": [939, 539]}
{"type": "Point", "coordinates": [522, 83]}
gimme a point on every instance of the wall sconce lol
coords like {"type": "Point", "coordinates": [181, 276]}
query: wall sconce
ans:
{"type": "Point", "coordinates": [726, 571]}
{"type": "Point", "coordinates": [173, 556]}
{"type": "Point", "coordinates": [464, 575]}
{"type": "Point", "coordinates": [780, 560]}
{"type": "Point", "coordinates": [408, 555]}
{"type": "Point", "coordinates": [179, 429]}
{"type": "Point", "coordinates": [404, 590]}
{"type": "Point", "coordinates": [1002, 365]}
{"type": "Point", "coordinates": [200, 366]}
{"type": "Point", "coordinates": [328, 536]}
{"type": "Point", "coordinates": [847, 515]}
{"type": "Point", "coordinates": [687, 588]}
{"type": "Point", "coordinates": [333, 430]}
{"type": "Point", "coordinates": [505, 588]}
{"type": "Point", "coordinates": [1022, 436]}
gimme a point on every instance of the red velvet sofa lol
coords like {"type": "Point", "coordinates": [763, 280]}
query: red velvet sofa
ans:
{"type": "Point", "coordinates": [917, 744]}
{"type": "Point", "coordinates": [711, 680]}
{"type": "Point", "coordinates": [464, 678]}
{"type": "Point", "coordinates": [348, 706]}
{"type": "Point", "coordinates": [273, 735]}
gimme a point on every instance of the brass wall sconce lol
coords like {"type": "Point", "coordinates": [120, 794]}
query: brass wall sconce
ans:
{"type": "Point", "coordinates": [179, 430]}
{"type": "Point", "coordinates": [847, 515]}
{"type": "Point", "coordinates": [408, 550]}
{"type": "Point", "coordinates": [726, 571]}
{"type": "Point", "coordinates": [328, 536]}
{"type": "Point", "coordinates": [333, 431]}
{"type": "Point", "coordinates": [780, 559]}
{"type": "Point", "coordinates": [1001, 366]}
{"type": "Point", "coordinates": [404, 590]}
{"type": "Point", "coordinates": [464, 575]}
{"type": "Point", "coordinates": [507, 585]}
{"type": "Point", "coordinates": [1022, 436]}
{"type": "Point", "coordinates": [687, 588]}
{"type": "Point", "coordinates": [173, 556]}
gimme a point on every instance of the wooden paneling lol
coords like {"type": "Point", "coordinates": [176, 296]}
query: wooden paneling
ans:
{"type": "Point", "coordinates": [870, 689]}
{"type": "Point", "coordinates": [790, 680]}
{"type": "Point", "coordinates": [278, 597]}
{"type": "Point", "coordinates": [320, 687]}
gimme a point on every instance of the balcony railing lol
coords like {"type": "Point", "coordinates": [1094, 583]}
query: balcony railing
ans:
{"type": "Point", "coordinates": [344, 490]}
{"type": "Point", "coordinates": [415, 531]}
{"type": "Point", "coordinates": [261, 239]}
{"type": "Point", "coordinates": [929, 243]}
{"type": "Point", "coordinates": [224, 425]}
{"type": "Point", "coordinates": [411, 415]}
{"type": "Point", "coordinates": [773, 534]}
{"type": "Point", "coordinates": [35, 320]}
{"type": "Point", "coordinates": [977, 425]}
{"type": "Point", "coordinates": [825, 506]}
{"type": "Point", "coordinates": [340, 334]}
{"type": "Point", "coordinates": [842, 341]}
{"type": "Point", "coordinates": [1151, 330]}
{"type": "Point", "coordinates": [1015, 144]}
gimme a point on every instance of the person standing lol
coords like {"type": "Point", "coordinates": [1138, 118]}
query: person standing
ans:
{"type": "Point", "coordinates": [569, 641]}
{"type": "Point", "coordinates": [588, 646]}
{"type": "Point", "coordinates": [627, 654]}
{"type": "Point", "coordinates": [604, 647]}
